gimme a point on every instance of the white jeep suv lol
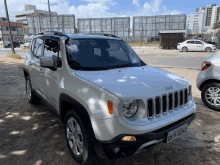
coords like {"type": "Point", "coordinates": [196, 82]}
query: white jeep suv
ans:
{"type": "Point", "coordinates": [111, 103]}
{"type": "Point", "coordinates": [195, 45]}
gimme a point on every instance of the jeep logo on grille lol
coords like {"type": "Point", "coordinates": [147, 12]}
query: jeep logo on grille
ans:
{"type": "Point", "coordinates": [169, 88]}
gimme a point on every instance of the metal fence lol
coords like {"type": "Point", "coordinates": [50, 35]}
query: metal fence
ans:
{"type": "Point", "coordinates": [146, 28]}
{"type": "Point", "coordinates": [119, 26]}
{"type": "Point", "coordinates": [63, 23]}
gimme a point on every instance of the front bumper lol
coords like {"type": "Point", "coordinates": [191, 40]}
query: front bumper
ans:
{"type": "Point", "coordinates": [143, 141]}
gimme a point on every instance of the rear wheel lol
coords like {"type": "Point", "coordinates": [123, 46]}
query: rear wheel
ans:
{"type": "Point", "coordinates": [78, 140]}
{"type": "Point", "coordinates": [184, 49]}
{"type": "Point", "coordinates": [32, 98]}
{"type": "Point", "coordinates": [208, 49]}
{"type": "Point", "coordinates": [166, 47]}
{"type": "Point", "coordinates": [211, 96]}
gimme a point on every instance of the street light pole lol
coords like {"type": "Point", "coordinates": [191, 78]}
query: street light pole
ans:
{"type": "Point", "coordinates": [9, 28]}
{"type": "Point", "coordinates": [49, 14]}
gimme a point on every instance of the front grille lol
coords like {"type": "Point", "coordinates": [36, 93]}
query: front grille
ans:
{"type": "Point", "coordinates": [160, 105]}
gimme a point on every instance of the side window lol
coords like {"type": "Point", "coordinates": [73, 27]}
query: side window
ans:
{"type": "Point", "coordinates": [38, 47]}
{"type": "Point", "coordinates": [52, 49]}
{"type": "Point", "coordinates": [190, 42]}
{"type": "Point", "coordinates": [198, 42]}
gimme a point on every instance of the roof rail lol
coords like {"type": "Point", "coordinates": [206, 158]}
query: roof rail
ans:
{"type": "Point", "coordinates": [103, 34]}
{"type": "Point", "coordinates": [54, 33]}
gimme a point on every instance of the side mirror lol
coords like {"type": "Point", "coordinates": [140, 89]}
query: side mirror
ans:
{"type": "Point", "coordinates": [47, 62]}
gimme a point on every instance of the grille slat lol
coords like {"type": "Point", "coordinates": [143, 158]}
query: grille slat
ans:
{"type": "Point", "coordinates": [157, 106]}
{"type": "Point", "coordinates": [160, 105]}
{"type": "Point", "coordinates": [176, 100]}
{"type": "Point", "coordinates": [164, 104]}
{"type": "Point", "coordinates": [181, 98]}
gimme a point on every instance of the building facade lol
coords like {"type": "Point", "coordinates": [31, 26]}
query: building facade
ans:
{"type": "Point", "coordinates": [195, 23]}
{"type": "Point", "coordinates": [30, 10]}
{"type": "Point", "coordinates": [63, 23]}
{"type": "Point", "coordinates": [119, 26]}
{"type": "Point", "coordinates": [203, 19]}
{"type": "Point", "coordinates": [147, 28]}
{"type": "Point", "coordinates": [16, 31]}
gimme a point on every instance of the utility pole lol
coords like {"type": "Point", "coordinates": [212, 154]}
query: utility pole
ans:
{"type": "Point", "coordinates": [9, 28]}
{"type": "Point", "coordinates": [49, 14]}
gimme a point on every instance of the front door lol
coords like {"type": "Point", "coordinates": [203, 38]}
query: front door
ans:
{"type": "Point", "coordinates": [199, 45]}
{"type": "Point", "coordinates": [52, 77]}
{"type": "Point", "coordinates": [36, 71]}
{"type": "Point", "coordinates": [191, 45]}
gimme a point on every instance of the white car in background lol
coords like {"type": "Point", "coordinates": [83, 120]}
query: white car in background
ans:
{"type": "Point", "coordinates": [27, 44]}
{"type": "Point", "coordinates": [195, 45]}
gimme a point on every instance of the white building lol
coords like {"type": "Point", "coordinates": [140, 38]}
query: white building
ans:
{"type": "Point", "coordinates": [29, 11]}
{"type": "Point", "coordinates": [204, 19]}
{"type": "Point", "coordinates": [195, 22]}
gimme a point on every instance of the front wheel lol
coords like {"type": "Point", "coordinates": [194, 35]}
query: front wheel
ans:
{"type": "Point", "coordinates": [208, 49]}
{"type": "Point", "coordinates": [184, 49]}
{"type": "Point", "coordinates": [211, 96]}
{"type": "Point", "coordinates": [78, 140]}
{"type": "Point", "coordinates": [32, 98]}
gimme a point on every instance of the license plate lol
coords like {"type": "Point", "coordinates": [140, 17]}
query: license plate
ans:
{"type": "Point", "coordinates": [176, 133]}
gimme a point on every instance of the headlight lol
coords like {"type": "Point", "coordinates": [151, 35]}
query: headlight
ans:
{"type": "Point", "coordinates": [129, 108]}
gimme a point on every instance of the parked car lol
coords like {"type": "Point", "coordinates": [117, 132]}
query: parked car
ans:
{"type": "Point", "coordinates": [109, 100]}
{"type": "Point", "coordinates": [208, 81]}
{"type": "Point", "coordinates": [195, 45]}
{"type": "Point", "coordinates": [27, 44]}
{"type": "Point", "coordinates": [8, 45]}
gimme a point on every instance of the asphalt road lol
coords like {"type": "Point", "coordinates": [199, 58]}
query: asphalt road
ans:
{"type": "Point", "coordinates": [192, 62]}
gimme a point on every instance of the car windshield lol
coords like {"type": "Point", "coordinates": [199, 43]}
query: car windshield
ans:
{"type": "Point", "coordinates": [100, 54]}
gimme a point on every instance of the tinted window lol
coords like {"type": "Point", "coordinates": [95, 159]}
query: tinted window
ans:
{"type": "Point", "coordinates": [38, 47]}
{"type": "Point", "coordinates": [190, 42]}
{"type": "Point", "coordinates": [198, 42]}
{"type": "Point", "coordinates": [100, 54]}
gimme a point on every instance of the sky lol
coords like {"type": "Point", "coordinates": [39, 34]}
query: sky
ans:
{"type": "Point", "coordinates": [109, 8]}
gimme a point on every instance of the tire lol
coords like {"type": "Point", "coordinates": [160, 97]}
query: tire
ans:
{"type": "Point", "coordinates": [172, 47]}
{"type": "Point", "coordinates": [208, 49]}
{"type": "Point", "coordinates": [86, 155]}
{"type": "Point", "coordinates": [184, 49]}
{"type": "Point", "coordinates": [32, 98]}
{"type": "Point", "coordinates": [206, 94]}
{"type": "Point", "coordinates": [166, 47]}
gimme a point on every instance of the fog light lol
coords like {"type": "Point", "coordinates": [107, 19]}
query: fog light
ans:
{"type": "Point", "coordinates": [128, 138]}
{"type": "Point", "coordinates": [116, 150]}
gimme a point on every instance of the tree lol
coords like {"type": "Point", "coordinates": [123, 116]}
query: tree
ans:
{"type": "Point", "coordinates": [216, 26]}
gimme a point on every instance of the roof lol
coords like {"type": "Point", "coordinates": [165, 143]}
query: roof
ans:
{"type": "Point", "coordinates": [76, 36]}
{"type": "Point", "coordinates": [172, 31]}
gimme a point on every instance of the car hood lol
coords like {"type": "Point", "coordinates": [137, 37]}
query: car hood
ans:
{"type": "Point", "coordinates": [135, 82]}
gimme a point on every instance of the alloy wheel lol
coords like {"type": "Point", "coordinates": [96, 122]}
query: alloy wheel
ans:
{"type": "Point", "coordinates": [74, 137]}
{"type": "Point", "coordinates": [212, 96]}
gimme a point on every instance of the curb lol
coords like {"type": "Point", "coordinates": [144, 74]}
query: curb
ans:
{"type": "Point", "coordinates": [163, 66]}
